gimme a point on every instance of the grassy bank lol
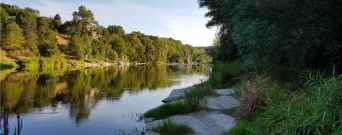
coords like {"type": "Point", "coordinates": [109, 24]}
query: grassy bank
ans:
{"type": "Point", "coordinates": [275, 101]}
{"type": "Point", "coordinates": [44, 64]}
{"type": "Point", "coordinates": [275, 108]}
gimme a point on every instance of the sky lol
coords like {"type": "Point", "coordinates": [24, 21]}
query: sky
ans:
{"type": "Point", "coordinates": [179, 19]}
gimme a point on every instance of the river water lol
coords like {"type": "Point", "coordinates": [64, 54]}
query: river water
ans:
{"type": "Point", "coordinates": [89, 102]}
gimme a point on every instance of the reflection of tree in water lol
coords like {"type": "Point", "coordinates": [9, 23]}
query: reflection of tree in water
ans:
{"type": "Point", "coordinates": [82, 90]}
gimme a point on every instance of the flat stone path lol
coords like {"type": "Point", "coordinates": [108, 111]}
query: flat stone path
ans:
{"type": "Point", "coordinates": [202, 123]}
{"type": "Point", "coordinates": [222, 102]}
{"type": "Point", "coordinates": [224, 92]}
{"type": "Point", "coordinates": [210, 122]}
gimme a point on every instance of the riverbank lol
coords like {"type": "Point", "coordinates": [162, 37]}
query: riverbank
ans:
{"type": "Point", "coordinates": [303, 103]}
{"type": "Point", "coordinates": [62, 63]}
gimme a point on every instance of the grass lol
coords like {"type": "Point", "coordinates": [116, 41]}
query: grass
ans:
{"type": "Point", "coordinates": [313, 109]}
{"type": "Point", "coordinates": [238, 129]}
{"type": "Point", "coordinates": [167, 110]}
{"type": "Point", "coordinates": [226, 74]}
{"type": "Point", "coordinates": [168, 127]}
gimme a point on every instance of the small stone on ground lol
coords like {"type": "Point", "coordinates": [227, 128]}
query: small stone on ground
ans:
{"type": "Point", "coordinates": [224, 92]}
{"type": "Point", "coordinates": [222, 102]}
{"type": "Point", "coordinates": [176, 94]}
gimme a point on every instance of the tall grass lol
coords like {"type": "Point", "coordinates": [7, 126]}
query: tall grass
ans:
{"type": "Point", "coordinates": [226, 74]}
{"type": "Point", "coordinates": [238, 129]}
{"type": "Point", "coordinates": [314, 109]}
{"type": "Point", "coordinates": [168, 127]}
{"type": "Point", "coordinates": [167, 110]}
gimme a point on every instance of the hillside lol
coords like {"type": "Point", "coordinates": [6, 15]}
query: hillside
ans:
{"type": "Point", "coordinates": [27, 35]}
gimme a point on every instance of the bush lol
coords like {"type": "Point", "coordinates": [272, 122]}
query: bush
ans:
{"type": "Point", "coordinates": [168, 127]}
{"type": "Point", "coordinates": [48, 49]}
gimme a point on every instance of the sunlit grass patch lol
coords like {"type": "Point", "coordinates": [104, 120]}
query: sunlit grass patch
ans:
{"type": "Point", "coordinates": [167, 110]}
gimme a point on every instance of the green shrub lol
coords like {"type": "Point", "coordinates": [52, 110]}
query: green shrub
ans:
{"type": "Point", "coordinates": [168, 127]}
{"type": "Point", "coordinates": [48, 49]}
{"type": "Point", "coordinates": [226, 74]}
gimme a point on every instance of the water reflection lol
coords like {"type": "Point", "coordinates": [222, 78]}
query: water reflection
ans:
{"type": "Point", "coordinates": [81, 91]}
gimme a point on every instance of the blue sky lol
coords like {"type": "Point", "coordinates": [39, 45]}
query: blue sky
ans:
{"type": "Point", "coordinates": [179, 19]}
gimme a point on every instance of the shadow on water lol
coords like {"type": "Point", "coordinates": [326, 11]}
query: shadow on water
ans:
{"type": "Point", "coordinates": [82, 90]}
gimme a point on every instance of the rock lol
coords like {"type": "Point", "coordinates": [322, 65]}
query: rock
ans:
{"type": "Point", "coordinates": [222, 102]}
{"type": "Point", "coordinates": [176, 94]}
{"type": "Point", "coordinates": [224, 92]}
{"type": "Point", "coordinates": [202, 123]}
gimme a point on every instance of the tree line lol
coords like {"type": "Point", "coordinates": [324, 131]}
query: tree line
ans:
{"type": "Point", "coordinates": [24, 33]}
{"type": "Point", "coordinates": [287, 33]}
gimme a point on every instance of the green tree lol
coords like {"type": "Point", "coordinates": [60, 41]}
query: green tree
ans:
{"type": "Point", "coordinates": [279, 32]}
{"type": "Point", "coordinates": [116, 29]}
{"type": "Point", "coordinates": [45, 34]}
{"type": "Point", "coordinates": [13, 37]}
{"type": "Point", "coordinates": [27, 21]}
{"type": "Point", "coordinates": [78, 47]}
{"type": "Point", "coordinates": [84, 22]}
{"type": "Point", "coordinates": [48, 49]}
{"type": "Point", "coordinates": [57, 21]}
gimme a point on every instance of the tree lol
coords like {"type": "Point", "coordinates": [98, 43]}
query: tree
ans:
{"type": "Point", "coordinates": [116, 29]}
{"type": "Point", "coordinates": [84, 22]}
{"type": "Point", "coordinates": [27, 21]}
{"type": "Point", "coordinates": [3, 21]}
{"type": "Point", "coordinates": [48, 49]}
{"type": "Point", "coordinates": [278, 32]}
{"type": "Point", "coordinates": [78, 47]}
{"type": "Point", "coordinates": [45, 34]}
{"type": "Point", "coordinates": [13, 37]}
{"type": "Point", "coordinates": [57, 21]}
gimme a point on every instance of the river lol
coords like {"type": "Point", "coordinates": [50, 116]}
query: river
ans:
{"type": "Point", "coordinates": [95, 101]}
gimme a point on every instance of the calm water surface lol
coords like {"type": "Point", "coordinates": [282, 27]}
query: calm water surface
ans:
{"type": "Point", "coordinates": [89, 102]}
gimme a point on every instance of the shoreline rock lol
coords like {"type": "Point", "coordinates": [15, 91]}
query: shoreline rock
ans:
{"type": "Point", "coordinates": [176, 94]}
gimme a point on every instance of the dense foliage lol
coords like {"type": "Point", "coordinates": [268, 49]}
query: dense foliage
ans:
{"type": "Point", "coordinates": [270, 37]}
{"type": "Point", "coordinates": [279, 32]}
{"type": "Point", "coordinates": [25, 33]}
